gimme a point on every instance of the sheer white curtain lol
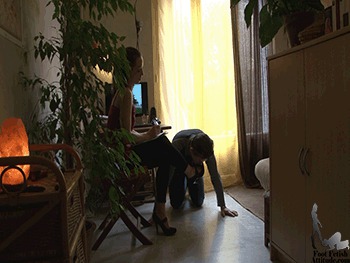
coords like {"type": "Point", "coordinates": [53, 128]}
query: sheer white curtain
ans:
{"type": "Point", "coordinates": [251, 92]}
{"type": "Point", "coordinates": [195, 82]}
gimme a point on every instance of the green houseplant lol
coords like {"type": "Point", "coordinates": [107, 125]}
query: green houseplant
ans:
{"type": "Point", "coordinates": [72, 105]}
{"type": "Point", "coordinates": [273, 15]}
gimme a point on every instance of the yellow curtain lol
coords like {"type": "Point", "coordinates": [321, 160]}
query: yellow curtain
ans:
{"type": "Point", "coordinates": [194, 87]}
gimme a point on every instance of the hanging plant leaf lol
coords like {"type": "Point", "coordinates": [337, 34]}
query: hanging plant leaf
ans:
{"type": "Point", "coordinates": [269, 26]}
{"type": "Point", "coordinates": [272, 12]}
{"type": "Point", "coordinates": [71, 103]}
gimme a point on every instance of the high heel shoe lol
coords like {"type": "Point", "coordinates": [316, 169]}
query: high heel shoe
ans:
{"type": "Point", "coordinates": [168, 231]}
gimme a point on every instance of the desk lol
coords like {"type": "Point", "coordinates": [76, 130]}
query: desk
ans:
{"type": "Point", "coordinates": [138, 127]}
{"type": "Point", "coordinates": [146, 127]}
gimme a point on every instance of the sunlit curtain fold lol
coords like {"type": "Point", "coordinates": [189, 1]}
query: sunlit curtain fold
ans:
{"type": "Point", "coordinates": [195, 83]}
{"type": "Point", "coordinates": [251, 92]}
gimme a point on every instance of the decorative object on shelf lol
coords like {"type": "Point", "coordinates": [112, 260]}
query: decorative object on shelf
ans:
{"type": "Point", "coordinates": [276, 13]}
{"type": "Point", "coordinates": [328, 21]}
{"type": "Point", "coordinates": [295, 23]}
{"type": "Point", "coordinates": [313, 31]}
{"type": "Point", "coordinates": [344, 8]}
{"type": "Point", "coordinates": [336, 14]}
{"type": "Point", "coordinates": [13, 142]}
{"type": "Point", "coordinates": [340, 14]}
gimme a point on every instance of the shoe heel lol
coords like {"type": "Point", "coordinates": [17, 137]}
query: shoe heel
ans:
{"type": "Point", "coordinates": [167, 231]}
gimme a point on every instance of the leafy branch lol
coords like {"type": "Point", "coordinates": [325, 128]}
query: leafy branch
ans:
{"type": "Point", "coordinates": [71, 104]}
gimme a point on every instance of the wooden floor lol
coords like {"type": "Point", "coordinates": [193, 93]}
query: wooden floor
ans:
{"type": "Point", "coordinates": [202, 236]}
{"type": "Point", "coordinates": [251, 199]}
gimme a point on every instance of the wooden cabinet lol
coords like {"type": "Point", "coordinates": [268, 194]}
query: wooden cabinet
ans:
{"type": "Point", "coordinates": [309, 89]}
{"type": "Point", "coordinates": [46, 221]}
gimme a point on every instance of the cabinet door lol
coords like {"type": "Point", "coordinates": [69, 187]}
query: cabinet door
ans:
{"type": "Point", "coordinates": [287, 131]}
{"type": "Point", "coordinates": [327, 83]}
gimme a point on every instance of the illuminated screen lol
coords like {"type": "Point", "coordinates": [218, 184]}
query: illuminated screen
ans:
{"type": "Point", "coordinates": [140, 98]}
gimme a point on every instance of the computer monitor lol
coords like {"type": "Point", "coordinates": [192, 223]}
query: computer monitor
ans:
{"type": "Point", "coordinates": [140, 93]}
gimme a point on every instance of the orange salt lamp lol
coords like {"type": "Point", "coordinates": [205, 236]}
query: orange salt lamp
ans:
{"type": "Point", "coordinates": [13, 142]}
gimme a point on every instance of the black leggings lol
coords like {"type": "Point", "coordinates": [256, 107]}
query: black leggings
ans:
{"type": "Point", "coordinates": [160, 153]}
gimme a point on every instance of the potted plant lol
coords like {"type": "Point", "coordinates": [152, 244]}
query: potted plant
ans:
{"type": "Point", "coordinates": [296, 15]}
{"type": "Point", "coordinates": [71, 104]}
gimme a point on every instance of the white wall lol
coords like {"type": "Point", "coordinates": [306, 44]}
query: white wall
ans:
{"type": "Point", "coordinates": [15, 101]}
{"type": "Point", "coordinates": [123, 24]}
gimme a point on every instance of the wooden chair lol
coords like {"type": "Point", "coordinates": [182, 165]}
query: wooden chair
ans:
{"type": "Point", "coordinates": [147, 192]}
{"type": "Point", "coordinates": [130, 185]}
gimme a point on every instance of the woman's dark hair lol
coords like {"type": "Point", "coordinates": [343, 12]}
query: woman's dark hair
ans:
{"type": "Point", "coordinates": [202, 145]}
{"type": "Point", "coordinates": [132, 54]}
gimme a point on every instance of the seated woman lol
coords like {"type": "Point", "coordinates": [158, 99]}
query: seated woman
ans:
{"type": "Point", "coordinates": [153, 150]}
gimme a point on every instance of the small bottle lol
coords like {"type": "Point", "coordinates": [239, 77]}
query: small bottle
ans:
{"type": "Point", "coordinates": [153, 117]}
{"type": "Point", "coordinates": [152, 114]}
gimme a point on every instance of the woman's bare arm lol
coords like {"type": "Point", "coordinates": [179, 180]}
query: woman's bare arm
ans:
{"type": "Point", "coordinates": [126, 102]}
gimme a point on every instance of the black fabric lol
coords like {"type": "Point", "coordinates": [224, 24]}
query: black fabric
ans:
{"type": "Point", "coordinates": [160, 153]}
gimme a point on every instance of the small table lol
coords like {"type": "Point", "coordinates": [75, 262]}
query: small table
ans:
{"type": "Point", "coordinates": [146, 127]}
{"type": "Point", "coordinates": [138, 127]}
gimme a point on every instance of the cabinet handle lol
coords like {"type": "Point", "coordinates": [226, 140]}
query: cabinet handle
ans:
{"type": "Point", "coordinates": [304, 162]}
{"type": "Point", "coordinates": [300, 160]}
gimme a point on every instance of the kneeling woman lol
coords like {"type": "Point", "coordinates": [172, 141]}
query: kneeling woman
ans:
{"type": "Point", "coordinates": [152, 152]}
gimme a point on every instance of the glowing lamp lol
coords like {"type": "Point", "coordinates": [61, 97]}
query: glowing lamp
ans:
{"type": "Point", "coordinates": [104, 76]}
{"type": "Point", "coordinates": [14, 142]}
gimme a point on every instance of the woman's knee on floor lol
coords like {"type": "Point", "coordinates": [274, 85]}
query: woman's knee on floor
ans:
{"type": "Point", "coordinates": [177, 203]}
{"type": "Point", "coordinates": [197, 201]}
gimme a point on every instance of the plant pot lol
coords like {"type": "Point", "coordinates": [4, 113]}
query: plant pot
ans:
{"type": "Point", "coordinates": [295, 23]}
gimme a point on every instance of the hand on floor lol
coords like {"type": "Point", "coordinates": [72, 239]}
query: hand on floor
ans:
{"type": "Point", "coordinates": [227, 212]}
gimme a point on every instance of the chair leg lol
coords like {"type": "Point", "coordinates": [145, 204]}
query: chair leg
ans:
{"type": "Point", "coordinates": [136, 214]}
{"type": "Point", "coordinates": [136, 232]}
{"type": "Point", "coordinates": [106, 228]}
{"type": "Point", "coordinates": [104, 222]}
{"type": "Point", "coordinates": [109, 221]}
{"type": "Point", "coordinates": [104, 233]}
